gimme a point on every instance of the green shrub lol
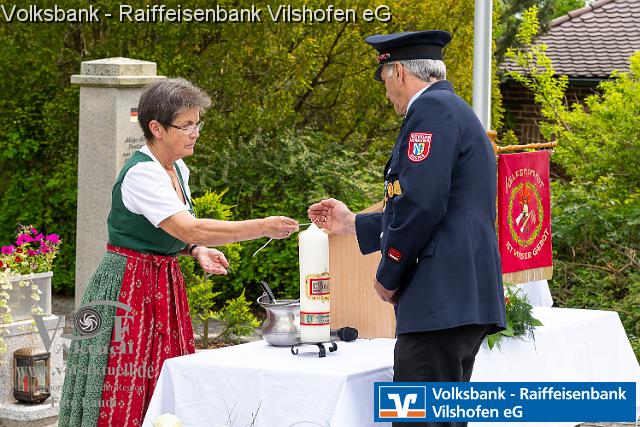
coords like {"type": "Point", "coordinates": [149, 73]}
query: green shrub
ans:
{"type": "Point", "coordinates": [596, 204]}
{"type": "Point", "coordinates": [203, 299]}
{"type": "Point", "coordinates": [282, 175]}
{"type": "Point", "coordinates": [237, 319]}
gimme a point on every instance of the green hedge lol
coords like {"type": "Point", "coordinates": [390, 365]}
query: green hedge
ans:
{"type": "Point", "coordinates": [596, 202]}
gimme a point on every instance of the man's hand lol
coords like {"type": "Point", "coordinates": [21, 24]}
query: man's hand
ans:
{"type": "Point", "coordinates": [334, 216]}
{"type": "Point", "coordinates": [211, 260]}
{"type": "Point", "coordinates": [385, 294]}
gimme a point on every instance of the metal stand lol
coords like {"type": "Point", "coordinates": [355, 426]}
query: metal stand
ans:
{"type": "Point", "coordinates": [321, 350]}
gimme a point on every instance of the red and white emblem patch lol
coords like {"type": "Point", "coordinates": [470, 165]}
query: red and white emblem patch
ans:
{"type": "Point", "coordinates": [394, 254]}
{"type": "Point", "coordinates": [419, 146]}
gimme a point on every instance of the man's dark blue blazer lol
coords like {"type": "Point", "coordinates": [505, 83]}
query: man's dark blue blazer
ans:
{"type": "Point", "coordinates": [437, 230]}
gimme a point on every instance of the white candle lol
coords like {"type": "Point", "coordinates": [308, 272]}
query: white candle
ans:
{"type": "Point", "coordinates": [314, 285]}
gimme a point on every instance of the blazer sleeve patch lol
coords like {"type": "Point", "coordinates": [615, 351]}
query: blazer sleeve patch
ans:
{"type": "Point", "coordinates": [419, 146]}
{"type": "Point", "coordinates": [394, 254]}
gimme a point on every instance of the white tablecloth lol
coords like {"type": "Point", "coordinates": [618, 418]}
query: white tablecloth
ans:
{"type": "Point", "coordinates": [271, 387]}
{"type": "Point", "coordinates": [229, 386]}
{"type": "Point", "coordinates": [537, 292]}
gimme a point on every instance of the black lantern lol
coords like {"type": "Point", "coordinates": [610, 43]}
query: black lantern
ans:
{"type": "Point", "coordinates": [31, 375]}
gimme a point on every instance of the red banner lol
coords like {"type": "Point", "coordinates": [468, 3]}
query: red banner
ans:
{"type": "Point", "coordinates": [524, 216]}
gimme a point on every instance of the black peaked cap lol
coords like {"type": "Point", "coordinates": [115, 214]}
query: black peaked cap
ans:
{"type": "Point", "coordinates": [408, 45]}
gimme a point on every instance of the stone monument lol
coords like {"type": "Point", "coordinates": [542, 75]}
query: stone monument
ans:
{"type": "Point", "coordinates": [108, 135]}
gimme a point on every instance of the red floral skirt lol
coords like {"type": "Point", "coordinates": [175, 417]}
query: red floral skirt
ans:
{"type": "Point", "coordinates": [156, 328]}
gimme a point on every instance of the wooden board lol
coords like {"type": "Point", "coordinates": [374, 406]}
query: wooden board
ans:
{"type": "Point", "coordinates": [353, 301]}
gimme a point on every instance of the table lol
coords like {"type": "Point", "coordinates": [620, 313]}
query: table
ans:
{"type": "Point", "coordinates": [270, 387]}
{"type": "Point", "coordinates": [228, 386]}
{"type": "Point", "coordinates": [573, 345]}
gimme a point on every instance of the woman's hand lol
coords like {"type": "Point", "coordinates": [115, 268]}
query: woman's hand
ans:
{"type": "Point", "coordinates": [278, 227]}
{"type": "Point", "coordinates": [211, 260]}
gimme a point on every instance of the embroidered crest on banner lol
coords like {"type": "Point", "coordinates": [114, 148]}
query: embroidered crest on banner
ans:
{"type": "Point", "coordinates": [419, 146]}
{"type": "Point", "coordinates": [525, 213]}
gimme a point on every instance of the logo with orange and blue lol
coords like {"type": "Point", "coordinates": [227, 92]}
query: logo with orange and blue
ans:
{"type": "Point", "coordinates": [400, 401]}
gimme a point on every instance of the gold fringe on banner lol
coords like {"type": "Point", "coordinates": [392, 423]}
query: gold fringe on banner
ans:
{"type": "Point", "coordinates": [524, 276]}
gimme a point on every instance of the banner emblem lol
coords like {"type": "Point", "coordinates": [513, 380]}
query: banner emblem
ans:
{"type": "Point", "coordinates": [526, 214]}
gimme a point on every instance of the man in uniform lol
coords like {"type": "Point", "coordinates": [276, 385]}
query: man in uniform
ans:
{"type": "Point", "coordinates": [440, 263]}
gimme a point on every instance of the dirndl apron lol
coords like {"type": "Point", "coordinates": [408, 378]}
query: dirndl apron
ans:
{"type": "Point", "coordinates": [152, 323]}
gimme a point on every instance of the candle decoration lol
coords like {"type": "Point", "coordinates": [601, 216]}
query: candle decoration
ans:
{"type": "Point", "coordinates": [315, 289]}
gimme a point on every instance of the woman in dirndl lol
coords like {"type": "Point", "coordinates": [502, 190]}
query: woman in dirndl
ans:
{"type": "Point", "coordinates": [137, 295]}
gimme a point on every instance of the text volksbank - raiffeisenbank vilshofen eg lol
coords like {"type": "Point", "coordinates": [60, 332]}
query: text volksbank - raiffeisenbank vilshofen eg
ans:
{"type": "Point", "coordinates": [178, 14]}
{"type": "Point", "coordinates": [525, 393]}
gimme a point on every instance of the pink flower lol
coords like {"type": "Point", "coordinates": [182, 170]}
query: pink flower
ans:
{"type": "Point", "coordinates": [31, 252]}
{"type": "Point", "coordinates": [40, 237]}
{"type": "Point", "coordinates": [8, 250]}
{"type": "Point", "coordinates": [34, 231]}
{"type": "Point", "coordinates": [24, 238]}
{"type": "Point", "coordinates": [53, 238]}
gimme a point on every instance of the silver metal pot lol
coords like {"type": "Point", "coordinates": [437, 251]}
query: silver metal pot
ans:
{"type": "Point", "coordinates": [282, 325]}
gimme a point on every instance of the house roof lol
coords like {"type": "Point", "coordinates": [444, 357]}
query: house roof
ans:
{"type": "Point", "coordinates": [593, 41]}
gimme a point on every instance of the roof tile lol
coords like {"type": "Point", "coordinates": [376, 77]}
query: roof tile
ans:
{"type": "Point", "coordinates": [594, 40]}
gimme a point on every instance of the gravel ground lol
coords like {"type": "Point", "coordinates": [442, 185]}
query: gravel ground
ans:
{"type": "Point", "coordinates": [65, 305]}
{"type": "Point", "coordinates": [61, 304]}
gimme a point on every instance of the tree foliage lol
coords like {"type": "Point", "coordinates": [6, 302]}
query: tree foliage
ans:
{"type": "Point", "coordinates": [513, 12]}
{"type": "Point", "coordinates": [205, 294]}
{"type": "Point", "coordinates": [296, 115]}
{"type": "Point", "coordinates": [596, 207]}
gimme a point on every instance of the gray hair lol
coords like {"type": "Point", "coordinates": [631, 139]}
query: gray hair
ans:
{"type": "Point", "coordinates": [424, 69]}
{"type": "Point", "coordinates": [165, 99]}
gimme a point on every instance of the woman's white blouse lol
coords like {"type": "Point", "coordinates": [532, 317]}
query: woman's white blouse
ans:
{"type": "Point", "coordinates": [147, 190]}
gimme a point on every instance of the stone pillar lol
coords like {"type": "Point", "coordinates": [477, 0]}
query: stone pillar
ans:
{"type": "Point", "coordinates": [108, 135]}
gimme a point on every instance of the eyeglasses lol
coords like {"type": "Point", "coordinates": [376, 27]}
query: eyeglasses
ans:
{"type": "Point", "coordinates": [190, 129]}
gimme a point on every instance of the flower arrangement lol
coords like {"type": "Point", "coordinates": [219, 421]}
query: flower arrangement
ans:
{"type": "Point", "coordinates": [33, 252]}
{"type": "Point", "coordinates": [520, 322]}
